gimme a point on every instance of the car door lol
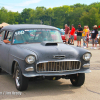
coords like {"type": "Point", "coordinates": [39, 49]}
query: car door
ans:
{"type": "Point", "coordinates": [4, 51]}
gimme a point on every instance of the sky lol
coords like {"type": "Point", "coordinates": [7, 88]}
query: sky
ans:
{"type": "Point", "coordinates": [19, 5]}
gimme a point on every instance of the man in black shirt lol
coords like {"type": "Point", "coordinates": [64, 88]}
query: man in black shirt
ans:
{"type": "Point", "coordinates": [94, 35]}
{"type": "Point", "coordinates": [79, 35]}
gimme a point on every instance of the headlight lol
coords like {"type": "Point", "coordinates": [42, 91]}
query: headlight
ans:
{"type": "Point", "coordinates": [87, 56]}
{"type": "Point", "coordinates": [30, 59]}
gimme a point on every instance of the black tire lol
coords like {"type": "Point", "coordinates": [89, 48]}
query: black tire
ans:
{"type": "Point", "coordinates": [77, 79]}
{"type": "Point", "coordinates": [0, 70]}
{"type": "Point", "coordinates": [21, 82]}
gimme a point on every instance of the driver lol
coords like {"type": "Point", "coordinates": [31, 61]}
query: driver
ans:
{"type": "Point", "coordinates": [43, 36]}
{"type": "Point", "coordinates": [18, 39]}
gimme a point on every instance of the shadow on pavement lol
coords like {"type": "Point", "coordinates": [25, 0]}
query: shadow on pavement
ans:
{"type": "Point", "coordinates": [36, 88]}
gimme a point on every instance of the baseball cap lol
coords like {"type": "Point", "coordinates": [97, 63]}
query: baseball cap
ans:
{"type": "Point", "coordinates": [79, 24]}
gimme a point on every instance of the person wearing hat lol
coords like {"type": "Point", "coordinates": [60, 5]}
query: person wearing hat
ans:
{"type": "Point", "coordinates": [94, 35]}
{"type": "Point", "coordinates": [72, 34]}
{"type": "Point", "coordinates": [79, 35]}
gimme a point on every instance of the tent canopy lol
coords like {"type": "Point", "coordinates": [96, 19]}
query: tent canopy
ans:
{"type": "Point", "coordinates": [4, 24]}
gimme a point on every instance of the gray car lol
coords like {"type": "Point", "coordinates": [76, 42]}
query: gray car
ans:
{"type": "Point", "coordinates": [37, 51]}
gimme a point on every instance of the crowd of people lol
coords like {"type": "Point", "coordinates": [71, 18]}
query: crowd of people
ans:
{"type": "Point", "coordinates": [82, 33]}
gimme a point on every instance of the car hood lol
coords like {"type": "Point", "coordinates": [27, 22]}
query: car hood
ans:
{"type": "Point", "coordinates": [52, 52]}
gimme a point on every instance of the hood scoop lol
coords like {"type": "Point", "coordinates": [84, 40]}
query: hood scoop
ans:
{"type": "Point", "coordinates": [48, 43]}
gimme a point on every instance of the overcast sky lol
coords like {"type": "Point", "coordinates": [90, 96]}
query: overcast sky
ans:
{"type": "Point", "coordinates": [19, 5]}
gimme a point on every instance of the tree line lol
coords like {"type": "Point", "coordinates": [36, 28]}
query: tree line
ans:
{"type": "Point", "coordinates": [57, 16]}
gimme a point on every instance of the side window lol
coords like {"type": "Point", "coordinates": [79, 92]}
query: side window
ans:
{"type": "Point", "coordinates": [2, 35]}
{"type": "Point", "coordinates": [9, 35]}
{"type": "Point", "coordinates": [6, 35]}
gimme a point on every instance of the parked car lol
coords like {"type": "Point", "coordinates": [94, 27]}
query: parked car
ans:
{"type": "Point", "coordinates": [42, 54]}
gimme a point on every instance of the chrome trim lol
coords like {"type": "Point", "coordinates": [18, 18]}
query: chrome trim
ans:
{"type": "Point", "coordinates": [57, 74]}
{"type": "Point", "coordinates": [89, 58]}
{"type": "Point", "coordinates": [57, 61]}
{"type": "Point", "coordinates": [86, 65]}
{"type": "Point", "coordinates": [27, 57]}
{"type": "Point", "coordinates": [59, 56]}
{"type": "Point", "coordinates": [58, 66]}
{"type": "Point", "coordinates": [29, 69]}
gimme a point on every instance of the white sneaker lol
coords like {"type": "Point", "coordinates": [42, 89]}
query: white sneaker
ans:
{"type": "Point", "coordinates": [91, 48]}
{"type": "Point", "coordinates": [95, 48]}
{"type": "Point", "coordinates": [84, 47]}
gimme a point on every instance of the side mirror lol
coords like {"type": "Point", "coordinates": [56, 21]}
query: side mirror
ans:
{"type": "Point", "coordinates": [6, 41]}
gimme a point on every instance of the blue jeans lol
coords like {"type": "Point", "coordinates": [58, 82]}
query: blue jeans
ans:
{"type": "Point", "coordinates": [84, 39]}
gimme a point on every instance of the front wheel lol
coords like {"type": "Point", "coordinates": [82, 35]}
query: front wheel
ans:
{"type": "Point", "coordinates": [21, 82]}
{"type": "Point", "coordinates": [0, 70]}
{"type": "Point", "coordinates": [77, 79]}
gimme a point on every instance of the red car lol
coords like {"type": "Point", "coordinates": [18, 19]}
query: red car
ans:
{"type": "Point", "coordinates": [63, 37]}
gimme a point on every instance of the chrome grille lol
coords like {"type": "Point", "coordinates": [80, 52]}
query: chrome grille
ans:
{"type": "Point", "coordinates": [58, 66]}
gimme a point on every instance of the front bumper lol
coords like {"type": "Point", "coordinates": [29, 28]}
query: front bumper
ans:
{"type": "Point", "coordinates": [34, 74]}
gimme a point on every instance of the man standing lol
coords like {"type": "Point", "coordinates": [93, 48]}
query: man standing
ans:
{"type": "Point", "coordinates": [72, 34]}
{"type": "Point", "coordinates": [67, 30]}
{"type": "Point", "coordinates": [94, 37]}
{"type": "Point", "coordinates": [79, 35]}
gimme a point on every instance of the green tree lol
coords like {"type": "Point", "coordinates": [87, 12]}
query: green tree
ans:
{"type": "Point", "coordinates": [25, 15]}
{"type": "Point", "coordinates": [3, 15]}
{"type": "Point", "coordinates": [91, 18]}
{"type": "Point", "coordinates": [61, 16]}
{"type": "Point", "coordinates": [11, 17]}
{"type": "Point", "coordinates": [49, 16]}
{"type": "Point", "coordinates": [74, 17]}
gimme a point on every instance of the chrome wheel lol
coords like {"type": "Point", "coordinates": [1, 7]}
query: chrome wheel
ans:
{"type": "Point", "coordinates": [17, 78]}
{"type": "Point", "coordinates": [21, 82]}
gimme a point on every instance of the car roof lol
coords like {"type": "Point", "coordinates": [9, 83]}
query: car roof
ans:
{"type": "Point", "coordinates": [27, 26]}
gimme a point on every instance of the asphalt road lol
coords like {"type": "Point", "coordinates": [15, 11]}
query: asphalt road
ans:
{"type": "Point", "coordinates": [55, 90]}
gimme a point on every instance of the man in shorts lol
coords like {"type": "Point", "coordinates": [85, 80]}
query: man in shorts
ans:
{"type": "Point", "coordinates": [94, 35]}
{"type": "Point", "coordinates": [79, 35]}
{"type": "Point", "coordinates": [72, 34]}
{"type": "Point", "coordinates": [67, 30]}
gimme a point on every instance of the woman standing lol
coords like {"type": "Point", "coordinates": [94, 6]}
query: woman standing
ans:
{"type": "Point", "coordinates": [87, 36]}
{"type": "Point", "coordinates": [84, 36]}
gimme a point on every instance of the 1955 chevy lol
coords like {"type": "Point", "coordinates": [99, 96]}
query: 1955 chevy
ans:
{"type": "Point", "coordinates": [33, 51]}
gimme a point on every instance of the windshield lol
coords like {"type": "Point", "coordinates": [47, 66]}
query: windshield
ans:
{"type": "Point", "coordinates": [36, 36]}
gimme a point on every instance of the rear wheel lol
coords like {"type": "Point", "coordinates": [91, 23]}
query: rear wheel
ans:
{"type": "Point", "coordinates": [21, 82]}
{"type": "Point", "coordinates": [77, 79]}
